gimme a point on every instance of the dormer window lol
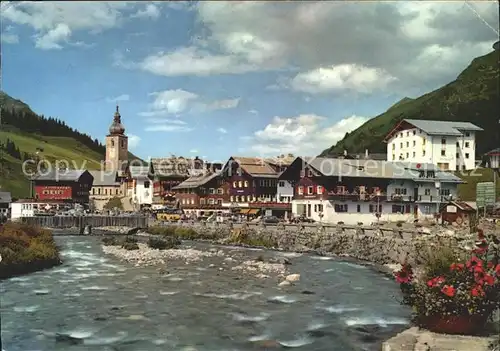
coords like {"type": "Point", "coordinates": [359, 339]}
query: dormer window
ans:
{"type": "Point", "coordinates": [309, 173]}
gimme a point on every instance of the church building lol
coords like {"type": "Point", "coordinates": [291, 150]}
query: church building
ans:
{"type": "Point", "coordinates": [110, 181]}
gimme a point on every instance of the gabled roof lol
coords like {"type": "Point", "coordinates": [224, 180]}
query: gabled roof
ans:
{"type": "Point", "coordinates": [362, 168]}
{"type": "Point", "coordinates": [281, 160]}
{"type": "Point", "coordinates": [102, 178]}
{"type": "Point", "coordinates": [463, 205]}
{"type": "Point", "coordinates": [68, 175]}
{"type": "Point", "coordinates": [255, 166]}
{"type": "Point", "coordinates": [5, 197]}
{"type": "Point", "coordinates": [446, 128]}
{"type": "Point", "coordinates": [196, 181]}
{"type": "Point", "coordinates": [494, 152]}
{"type": "Point", "coordinates": [139, 171]}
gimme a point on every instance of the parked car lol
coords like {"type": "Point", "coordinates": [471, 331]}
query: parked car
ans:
{"type": "Point", "coordinates": [270, 219]}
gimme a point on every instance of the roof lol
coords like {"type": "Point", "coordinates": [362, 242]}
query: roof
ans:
{"type": "Point", "coordinates": [362, 168]}
{"type": "Point", "coordinates": [256, 166]}
{"type": "Point", "coordinates": [448, 128]}
{"type": "Point", "coordinates": [173, 166]}
{"type": "Point", "coordinates": [493, 152]}
{"type": "Point", "coordinates": [139, 171]}
{"type": "Point", "coordinates": [102, 178]}
{"type": "Point", "coordinates": [281, 160]}
{"type": "Point", "coordinates": [196, 181]}
{"type": "Point", "coordinates": [67, 175]}
{"type": "Point", "coordinates": [463, 205]}
{"type": "Point", "coordinates": [5, 197]}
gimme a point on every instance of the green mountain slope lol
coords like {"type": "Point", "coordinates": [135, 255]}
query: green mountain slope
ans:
{"type": "Point", "coordinates": [24, 135]}
{"type": "Point", "coordinates": [472, 97]}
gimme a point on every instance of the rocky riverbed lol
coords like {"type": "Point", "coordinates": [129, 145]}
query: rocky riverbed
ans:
{"type": "Point", "coordinates": [200, 297]}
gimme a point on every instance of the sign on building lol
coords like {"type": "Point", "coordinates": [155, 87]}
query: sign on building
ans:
{"type": "Point", "coordinates": [451, 209]}
{"type": "Point", "coordinates": [485, 194]}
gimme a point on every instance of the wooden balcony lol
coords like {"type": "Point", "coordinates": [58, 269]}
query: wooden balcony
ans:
{"type": "Point", "coordinates": [354, 196]}
{"type": "Point", "coordinates": [401, 198]}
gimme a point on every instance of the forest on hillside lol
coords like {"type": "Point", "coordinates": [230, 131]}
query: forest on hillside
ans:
{"type": "Point", "coordinates": [30, 122]}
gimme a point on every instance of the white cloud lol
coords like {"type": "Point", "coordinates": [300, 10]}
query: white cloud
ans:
{"type": "Point", "coordinates": [53, 38]}
{"type": "Point", "coordinates": [305, 135]}
{"type": "Point", "coordinates": [123, 97]}
{"type": "Point", "coordinates": [335, 45]}
{"type": "Point", "coordinates": [222, 130]}
{"type": "Point", "coordinates": [181, 101]}
{"type": "Point", "coordinates": [133, 141]}
{"type": "Point", "coordinates": [350, 77]}
{"type": "Point", "coordinates": [10, 38]}
{"type": "Point", "coordinates": [167, 128]}
{"type": "Point", "coordinates": [149, 11]}
{"type": "Point", "coordinates": [172, 101]}
{"type": "Point", "coordinates": [194, 151]}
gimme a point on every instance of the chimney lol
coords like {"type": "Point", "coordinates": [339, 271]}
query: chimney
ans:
{"type": "Point", "coordinates": [366, 153]}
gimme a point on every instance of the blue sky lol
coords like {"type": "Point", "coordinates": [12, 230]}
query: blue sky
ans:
{"type": "Point", "coordinates": [217, 79]}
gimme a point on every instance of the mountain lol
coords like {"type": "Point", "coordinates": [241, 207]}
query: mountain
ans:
{"type": "Point", "coordinates": [24, 134]}
{"type": "Point", "coordinates": [472, 97]}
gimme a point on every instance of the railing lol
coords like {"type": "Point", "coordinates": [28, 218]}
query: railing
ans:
{"type": "Point", "coordinates": [343, 196]}
{"type": "Point", "coordinates": [433, 198]}
{"type": "Point", "coordinates": [401, 198]}
{"type": "Point", "coordinates": [82, 221]}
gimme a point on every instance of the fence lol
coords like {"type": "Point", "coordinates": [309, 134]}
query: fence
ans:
{"type": "Point", "coordinates": [83, 221]}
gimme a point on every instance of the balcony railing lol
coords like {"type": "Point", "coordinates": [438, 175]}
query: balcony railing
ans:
{"type": "Point", "coordinates": [401, 198]}
{"type": "Point", "coordinates": [434, 198]}
{"type": "Point", "coordinates": [354, 196]}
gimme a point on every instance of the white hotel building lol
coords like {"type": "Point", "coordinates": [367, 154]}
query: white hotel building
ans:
{"type": "Point", "coordinates": [448, 145]}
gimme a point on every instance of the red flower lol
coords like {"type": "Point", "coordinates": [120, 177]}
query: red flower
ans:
{"type": "Point", "coordinates": [435, 282]}
{"type": "Point", "coordinates": [481, 247]}
{"type": "Point", "coordinates": [477, 291]}
{"type": "Point", "coordinates": [490, 265]}
{"type": "Point", "coordinates": [497, 270]}
{"type": "Point", "coordinates": [448, 290]}
{"type": "Point", "coordinates": [405, 275]}
{"type": "Point", "coordinates": [483, 278]}
{"type": "Point", "coordinates": [457, 266]}
{"type": "Point", "coordinates": [474, 263]}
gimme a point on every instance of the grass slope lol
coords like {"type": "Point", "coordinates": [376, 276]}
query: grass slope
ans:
{"type": "Point", "coordinates": [472, 97]}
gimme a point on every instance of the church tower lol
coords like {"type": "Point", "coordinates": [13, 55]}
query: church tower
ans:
{"type": "Point", "coordinates": [116, 145]}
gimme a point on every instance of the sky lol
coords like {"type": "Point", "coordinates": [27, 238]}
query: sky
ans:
{"type": "Point", "coordinates": [215, 79]}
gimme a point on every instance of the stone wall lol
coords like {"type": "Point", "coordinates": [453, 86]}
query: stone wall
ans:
{"type": "Point", "coordinates": [377, 244]}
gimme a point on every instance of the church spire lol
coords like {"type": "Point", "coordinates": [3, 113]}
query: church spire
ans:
{"type": "Point", "coordinates": [116, 127]}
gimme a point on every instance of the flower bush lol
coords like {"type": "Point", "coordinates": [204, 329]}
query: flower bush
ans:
{"type": "Point", "coordinates": [464, 289]}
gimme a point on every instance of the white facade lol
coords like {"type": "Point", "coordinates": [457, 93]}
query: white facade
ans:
{"type": "Point", "coordinates": [21, 209]}
{"type": "Point", "coordinates": [284, 192]}
{"type": "Point", "coordinates": [142, 193]}
{"type": "Point", "coordinates": [415, 200]}
{"type": "Point", "coordinates": [446, 151]}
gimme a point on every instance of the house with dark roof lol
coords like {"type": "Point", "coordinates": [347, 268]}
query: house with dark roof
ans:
{"type": "Point", "coordinates": [5, 202]}
{"type": "Point", "coordinates": [202, 193]}
{"type": "Point", "coordinates": [351, 191]}
{"type": "Point", "coordinates": [63, 185]}
{"type": "Point", "coordinates": [449, 145]}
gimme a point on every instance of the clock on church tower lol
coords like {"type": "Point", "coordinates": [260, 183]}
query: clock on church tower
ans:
{"type": "Point", "coordinates": [116, 144]}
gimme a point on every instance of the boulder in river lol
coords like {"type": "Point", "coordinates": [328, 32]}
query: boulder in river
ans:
{"type": "Point", "coordinates": [292, 278]}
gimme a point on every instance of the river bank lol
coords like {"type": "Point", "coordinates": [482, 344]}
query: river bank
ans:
{"type": "Point", "coordinates": [26, 249]}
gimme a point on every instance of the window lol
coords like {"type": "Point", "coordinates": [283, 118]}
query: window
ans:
{"type": "Point", "coordinates": [457, 155]}
{"type": "Point", "coordinates": [373, 208]}
{"type": "Point", "coordinates": [235, 184]}
{"type": "Point", "coordinates": [112, 143]}
{"type": "Point", "coordinates": [123, 143]}
{"type": "Point", "coordinates": [318, 208]}
{"type": "Point", "coordinates": [301, 190]}
{"type": "Point", "coordinates": [240, 184]}
{"type": "Point", "coordinates": [427, 192]}
{"type": "Point", "coordinates": [423, 153]}
{"type": "Point", "coordinates": [458, 144]}
{"type": "Point", "coordinates": [414, 132]}
{"type": "Point", "coordinates": [444, 192]}
{"type": "Point", "coordinates": [443, 141]}
{"type": "Point", "coordinates": [414, 143]}
{"type": "Point", "coordinates": [246, 183]}
{"type": "Point", "coordinates": [467, 134]}
{"type": "Point", "coordinates": [220, 191]}
{"type": "Point", "coordinates": [414, 154]}
{"type": "Point", "coordinates": [407, 144]}
{"type": "Point", "coordinates": [466, 144]}
{"type": "Point", "coordinates": [309, 173]}
{"type": "Point", "coordinates": [398, 209]}
{"type": "Point", "coordinates": [407, 133]}
{"type": "Point", "coordinates": [341, 189]}
{"type": "Point", "coordinates": [401, 145]}
{"type": "Point", "coordinates": [393, 157]}
{"type": "Point", "coordinates": [358, 208]}
{"type": "Point", "coordinates": [407, 155]}
{"type": "Point", "coordinates": [146, 185]}
{"type": "Point", "coordinates": [281, 184]}
{"type": "Point", "coordinates": [400, 191]}
{"type": "Point", "coordinates": [202, 201]}
{"type": "Point", "coordinates": [211, 201]}
{"type": "Point", "coordinates": [467, 155]}
{"type": "Point", "coordinates": [393, 146]}
{"type": "Point", "coordinates": [443, 152]}
{"type": "Point", "coordinates": [211, 191]}
{"type": "Point", "coordinates": [231, 198]}
{"type": "Point", "coordinates": [401, 135]}
{"type": "Point", "coordinates": [423, 141]}
{"type": "Point", "coordinates": [302, 173]}
{"type": "Point", "coordinates": [319, 190]}
{"type": "Point", "coordinates": [310, 190]}
{"type": "Point", "coordinates": [341, 208]}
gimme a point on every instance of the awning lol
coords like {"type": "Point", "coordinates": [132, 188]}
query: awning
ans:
{"type": "Point", "coordinates": [244, 211]}
{"type": "Point", "coordinates": [253, 211]}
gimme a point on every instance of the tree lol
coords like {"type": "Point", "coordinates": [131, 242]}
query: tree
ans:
{"type": "Point", "coordinates": [114, 202]}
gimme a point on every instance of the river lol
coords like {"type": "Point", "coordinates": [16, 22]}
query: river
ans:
{"type": "Point", "coordinates": [96, 302]}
